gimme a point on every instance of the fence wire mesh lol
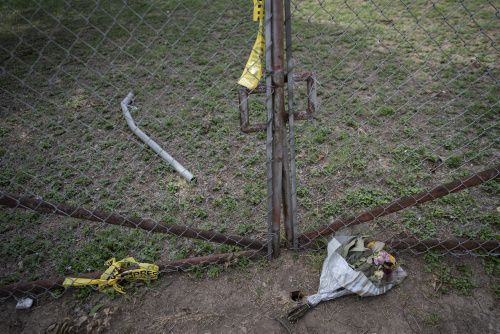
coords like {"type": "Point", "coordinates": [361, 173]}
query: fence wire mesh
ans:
{"type": "Point", "coordinates": [65, 69]}
{"type": "Point", "coordinates": [407, 99]}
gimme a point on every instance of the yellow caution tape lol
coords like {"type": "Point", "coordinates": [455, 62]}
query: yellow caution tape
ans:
{"type": "Point", "coordinates": [253, 69]}
{"type": "Point", "coordinates": [112, 275]}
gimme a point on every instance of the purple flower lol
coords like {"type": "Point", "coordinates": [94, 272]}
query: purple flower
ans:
{"type": "Point", "coordinates": [389, 275]}
{"type": "Point", "coordinates": [381, 258]}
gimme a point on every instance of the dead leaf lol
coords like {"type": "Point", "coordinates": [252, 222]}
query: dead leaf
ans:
{"type": "Point", "coordinates": [90, 326]}
{"type": "Point", "coordinates": [320, 157]}
{"type": "Point", "coordinates": [81, 320]}
{"type": "Point", "coordinates": [228, 262]}
{"type": "Point", "coordinates": [61, 327]}
{"type": "Point", "coordinates": [106, 323]}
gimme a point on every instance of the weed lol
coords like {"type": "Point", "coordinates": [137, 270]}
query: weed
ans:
{"type": "Point", "coordinates": [334, 208]}
{"type": "Point", "coordinates": [316, 261]}
{"type": "Point", "coordinates": [496, 289]}
{"type": "Point", "coordinates": [172, 188]}
{"type": "Point", "coordinates": [230, 203]}
{"type": "Point", "coordinates": [200, 213]}
{"type": "Point", "coordinates": [246, 228]}
{"type": "Point", "coordinates": [213, 271]}
{"type": "Point", "coordinates": [432, 318]}
{"type": "Point", "coordinates": [386, 111]}
{"type": "Point", "coordinates": [491, 264]}
{"type": "Point", "coordinates": [462, 281]}
{"type": "Point", "coordinates": [367, 197]}
{"type": "Point", "coordinates": [454, 161]}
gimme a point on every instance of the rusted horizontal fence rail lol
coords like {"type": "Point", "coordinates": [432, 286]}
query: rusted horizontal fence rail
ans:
{"type": "Point", "coordinates": [451, 244]}
{"type": "Point", "coordinates": [306, 239]}
{"type": "Point", "coordinates": [41, 286]}
{"type": "Point", "coordinates": [64, 209]}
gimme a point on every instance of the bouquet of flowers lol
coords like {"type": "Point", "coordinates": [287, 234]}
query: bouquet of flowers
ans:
{"type": "Point", "coordinates": [351, 267]}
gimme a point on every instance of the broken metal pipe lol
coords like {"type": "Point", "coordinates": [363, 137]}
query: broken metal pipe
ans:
{"type": "Point", "coordinates": [151, 143]}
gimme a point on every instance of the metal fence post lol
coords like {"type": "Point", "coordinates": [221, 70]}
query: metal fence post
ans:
{"type": "Point", "coordinates": [278, 78]}
{"type": "Point", "coordinates": [290, 191]}
{"type": "Point", "coordinates": [269, 126]}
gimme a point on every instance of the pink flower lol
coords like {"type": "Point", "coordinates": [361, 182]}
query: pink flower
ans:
{"type": "Point", "coordinates": [381, 258]}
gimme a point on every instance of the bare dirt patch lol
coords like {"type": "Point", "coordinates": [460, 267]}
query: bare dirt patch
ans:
{"type": "Point", "coordinates": [248, 299]}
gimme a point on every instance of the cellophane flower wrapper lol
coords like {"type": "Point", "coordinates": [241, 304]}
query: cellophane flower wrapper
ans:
{"type": "Point", "coordinates": [339, 279]}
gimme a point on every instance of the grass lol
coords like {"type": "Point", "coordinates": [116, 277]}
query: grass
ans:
{"type": "Point", "coordinates": [460, 279]}
{"type": "Point", "coordinates": [406, 101]}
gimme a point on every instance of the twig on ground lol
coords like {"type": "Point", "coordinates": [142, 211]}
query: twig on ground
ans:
{"type": "Point", "coordinates": [283, 324]}
{"type": "Point", "coordinates": [428, 298]}
{"type": "Point", "coordinates": [415, 320]}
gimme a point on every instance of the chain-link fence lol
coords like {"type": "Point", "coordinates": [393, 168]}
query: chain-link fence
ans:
{"type": "Point", "coordinates": [408, 100]}
{"type": "Point", "coordinates": [66, 68]}
{"type": "Point", "coordinates": [391, 99]}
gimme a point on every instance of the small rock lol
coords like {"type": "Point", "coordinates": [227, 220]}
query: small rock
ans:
{"type": "Point", "coordinates": [24, 303]}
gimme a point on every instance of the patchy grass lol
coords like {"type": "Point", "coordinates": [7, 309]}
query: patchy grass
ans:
{"type": "Point", "coordinates": [407, 99]}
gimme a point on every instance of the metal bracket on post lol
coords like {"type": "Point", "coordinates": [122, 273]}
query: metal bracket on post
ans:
{"type": "Point", "coordinates": [287, 173]}
{"type": "Point", "coordinates": [244, 94]}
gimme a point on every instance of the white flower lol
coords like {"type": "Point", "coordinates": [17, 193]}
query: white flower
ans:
{"type": "Point", "coordinates": [379, 274]}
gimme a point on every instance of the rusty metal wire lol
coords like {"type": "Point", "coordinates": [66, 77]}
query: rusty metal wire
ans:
{"type": "Point", "coordinates": [388, 101]}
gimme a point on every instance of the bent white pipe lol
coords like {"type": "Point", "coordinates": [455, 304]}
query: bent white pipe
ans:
{"type": "Point", "coordinates": [151, 143]}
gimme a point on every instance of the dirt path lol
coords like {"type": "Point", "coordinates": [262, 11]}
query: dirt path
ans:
{"type": "Point", "coordinates": [249, 299]}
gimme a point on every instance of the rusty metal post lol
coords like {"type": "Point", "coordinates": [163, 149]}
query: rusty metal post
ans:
{"type": "Point", "coordinates": [278, 80]}
{"type": "Point", "coordinates": [289, 176]}
{"type": "Point", "coordinates": [269, 127]}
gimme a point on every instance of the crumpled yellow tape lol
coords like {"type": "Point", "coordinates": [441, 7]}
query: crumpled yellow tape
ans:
{"type": "Point", "coordinates": [253, 69]}
{"type": "Point", "coordinates": [112, 275]}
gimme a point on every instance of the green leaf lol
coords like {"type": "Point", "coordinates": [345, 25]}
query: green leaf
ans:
{"type": "Point", "coordinates": [95, 309]}
{"type": "Point", "coordinates": [346, 248]}
{"type": "Point", "coordinates": [465, 270]}
{"type": "Point", "coordinates": [354, 257]}
{"type": "Point", "coordinates": [364, 266]}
